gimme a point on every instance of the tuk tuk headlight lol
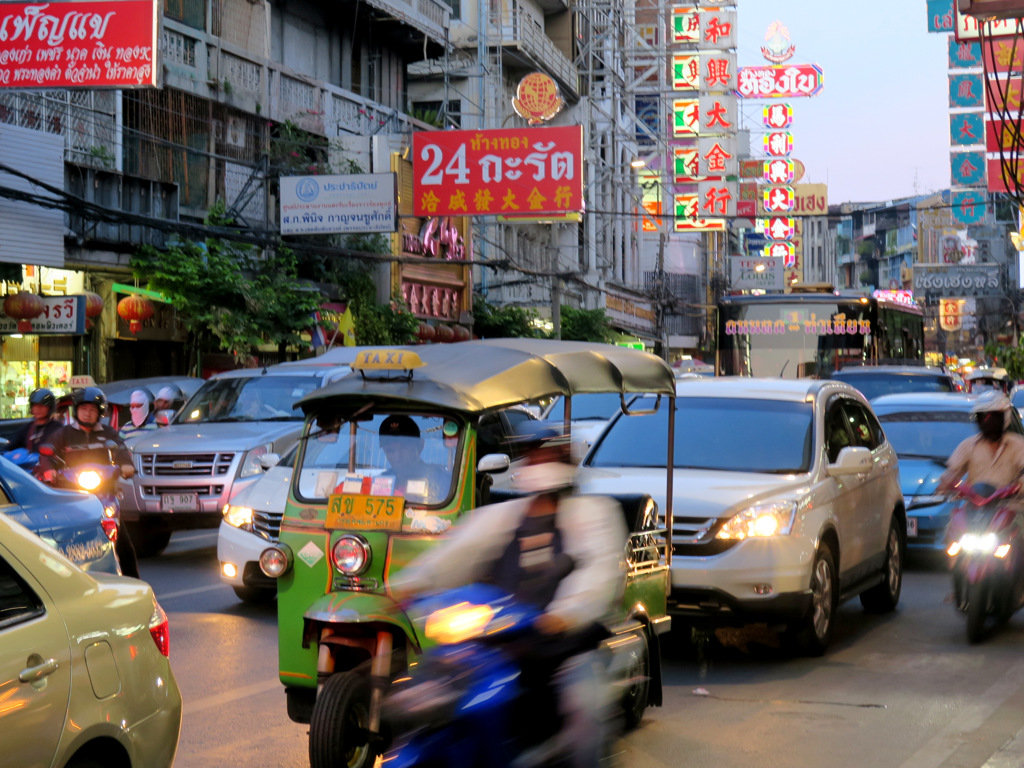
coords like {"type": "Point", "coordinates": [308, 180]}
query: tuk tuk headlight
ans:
{"type": "Point", "coordinates": [351, 555]}
{"type": "Point", "coordinates": [89, 480]}
{"type": "Point", "coordinates": [276, 561]}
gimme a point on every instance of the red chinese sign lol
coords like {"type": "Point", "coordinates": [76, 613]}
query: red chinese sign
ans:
{"type": "Point", "coordinates": [109, 44]}
{"type": "Point", "coordinates": [779, 199]}
{"type": "Point", "coordinates": [784, 81]}
{"type": "Point", "coordinates": [779, 171]}
{"type": "Point", "coordinates": [495, 172]}
{"type": "Point", "coordinates": [778, 116]}
{"type": "Point", "coordinates": [778, 144]}
{"type": "Point", "coordinates": [1003, 55]}
{"type": "Point", "coordinates": [781, 228]}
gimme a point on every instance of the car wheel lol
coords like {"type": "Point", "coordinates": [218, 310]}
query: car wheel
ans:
{"type": "Point", "coordinates": [811, 634]}
{"type": "Point", "coordinates": [149, 540]}
{"type": "Point", "coordinates": [883, 597]}
{"type": "Point", "coordinates": [337, 728]}
{"type": "Point", "coordinates": [977, 608]}
{"type": "Point", "coordinates": [634, 700]}
{"type": "Point", "coordinates": [255, 595]}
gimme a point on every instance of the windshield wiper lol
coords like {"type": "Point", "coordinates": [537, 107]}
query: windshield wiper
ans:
{"type": "Point", "coordinates": [224, 419]}
{"type": "Point", "coordinates": [282, 418]}
{"type": "Point", "coordinates": [937, 459]}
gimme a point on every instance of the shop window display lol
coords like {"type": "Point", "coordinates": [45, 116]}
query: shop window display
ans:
{"type": "Point", "coordinates": [19, 377]}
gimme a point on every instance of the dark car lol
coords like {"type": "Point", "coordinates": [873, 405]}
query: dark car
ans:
{"type": "Point", "coordinates": [69, 521]}
{"type": "Point", "coordinates": [877, 380]}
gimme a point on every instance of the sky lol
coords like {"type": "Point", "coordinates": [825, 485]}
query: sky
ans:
{"type": "Point", "coordinates": [879, 130]}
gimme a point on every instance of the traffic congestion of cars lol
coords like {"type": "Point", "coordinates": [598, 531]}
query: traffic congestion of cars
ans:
{"type": "Point", "coordinates": [785, 499]}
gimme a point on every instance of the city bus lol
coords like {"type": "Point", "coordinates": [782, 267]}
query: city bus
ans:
{"type": "Point", "coordinates": [814, 334]}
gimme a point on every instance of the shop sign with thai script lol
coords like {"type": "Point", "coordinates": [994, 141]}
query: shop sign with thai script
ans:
{"type": "Point", "coordinates": [339, 204]}
{"type": "Point", "coordinates": [836, 325]}
{"type": "Point", "coordinates": [501, 171]}
{"type": "Point", "coordinates": [967, 27]}
{"type": "Point", "coordinates": [808, 200]}
{"type": "Point", "coordinates": [61, 314]}
{"type": "Point", "coordinates": [109, 44]}
{"type": "Point", "coordinates": [780, 82]}
{"type": "Point", "coordinates": [630, 313]}
{"type": "Point", "coordinates": [959, 280]}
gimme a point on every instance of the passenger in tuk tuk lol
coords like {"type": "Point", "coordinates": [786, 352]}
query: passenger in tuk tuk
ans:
{"type": "Point", "coordinates": [561, 553]}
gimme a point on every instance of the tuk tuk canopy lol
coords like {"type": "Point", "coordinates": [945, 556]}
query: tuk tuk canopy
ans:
{"type": "Point", "coordinates": [478, 376]}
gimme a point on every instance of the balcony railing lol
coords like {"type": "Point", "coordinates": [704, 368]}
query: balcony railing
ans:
{"type": "Point", "coordinates": [515, 29]}
{"type": "Point", "coordinates": [214, 69]}
{"type": "Point", "coordinates": [428, 16]}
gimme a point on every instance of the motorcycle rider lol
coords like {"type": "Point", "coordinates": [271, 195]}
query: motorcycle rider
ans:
{"type": "Point", "coordinates": [993, 456]}
{"type": "Point", "coordinates": [169, 398]}
{"type": "Point", "coordinates": [142, 416]}
{"type": "Point", "coordinates": [555, 550]}
{"type": "Point", "coordinates": [41, 404]}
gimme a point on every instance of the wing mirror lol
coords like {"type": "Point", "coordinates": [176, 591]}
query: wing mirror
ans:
{"type": "Point", "coordinates": [494, 463]}
{"type": "Point", "coordinates": [268, 460]}
{"type": "Point", "coordinates": [163, 418]}
{"type": "Point", "coordinates": [851, 461]}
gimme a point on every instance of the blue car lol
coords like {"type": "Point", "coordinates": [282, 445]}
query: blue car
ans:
{"type": "Point", "coordinates": [69, 521]}
{"type": "Point", "coordinates": [925, 428]}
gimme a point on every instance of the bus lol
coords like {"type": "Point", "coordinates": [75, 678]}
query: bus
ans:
{"type": "Point", "coordinates": [814, 334]}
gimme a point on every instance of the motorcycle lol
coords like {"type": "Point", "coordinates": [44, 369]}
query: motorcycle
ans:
{"type": "Point", "coordinates": [466, 702]}
{"type": "Point", "coordinates": [25, 459]}
{"type": "Point", "coordinates": [986, 552]}
{"type": "Point", "coordinates": [92, 469]}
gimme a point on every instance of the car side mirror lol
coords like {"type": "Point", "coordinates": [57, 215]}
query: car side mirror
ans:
{"type": "Point", "coordinates": [268, 460]}
{"type": "Point", "coordinates": [493, 463]}
{"type": "Point", "coordinates": [163, 418]}
{"type": "Point", "coordinates": [851, 461]}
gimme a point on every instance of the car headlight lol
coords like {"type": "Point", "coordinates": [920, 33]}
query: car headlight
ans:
{"type": "Point", "coordinates": [760, 521]}
{"type": "Point", "coordinates": [240, 517]}
{"type": "Point", "coordinates": [457, 623]}
{"type": "Point", "coordinates": [89, 480]}
{"type": "Point", "coordinates": [351, 555]}
{"type": "Point", "coordinates": [251, 463]}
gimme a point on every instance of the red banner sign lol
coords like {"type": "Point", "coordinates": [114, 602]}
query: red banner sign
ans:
{"type": "Point", "coordinates": [783, 81]}
{"type": "Point", "coordinates": [78, 44]}
{"type": "Point", "coordinates": [498, 172]}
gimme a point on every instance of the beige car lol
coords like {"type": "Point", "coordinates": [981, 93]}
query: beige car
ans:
{"type": "Point", "coordinates": [84, 676]}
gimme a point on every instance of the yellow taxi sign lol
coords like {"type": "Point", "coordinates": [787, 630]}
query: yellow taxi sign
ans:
{"type": "Point", "coordinates": [387, 360]}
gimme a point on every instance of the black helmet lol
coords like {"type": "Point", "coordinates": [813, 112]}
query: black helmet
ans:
{"type": "Point", "coordinates": [93, 395]}
{"type": "Point", "coordinates": [534, 433]}
{"type": "Point", "coordinates": [43, 396]}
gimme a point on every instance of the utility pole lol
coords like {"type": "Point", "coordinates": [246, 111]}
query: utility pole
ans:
{"type": "Point", "coordinates": [556, 307]}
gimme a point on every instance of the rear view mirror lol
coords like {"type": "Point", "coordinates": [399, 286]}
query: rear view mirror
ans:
{"type": "Point", "coordinates": [163, 418]}
{"type": "Point", "coordinates": [268, 460]}
{"type": "Point", "coordinates": [851, 461]}
{"type": "Point", "coordinates": [493, 463]}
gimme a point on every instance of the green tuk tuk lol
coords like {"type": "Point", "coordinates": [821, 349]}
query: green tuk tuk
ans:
{"type": "Point", "coordinates": [359, 510]}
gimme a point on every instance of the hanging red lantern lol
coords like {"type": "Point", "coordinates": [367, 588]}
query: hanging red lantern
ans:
{"type": "Point", "coordinates": [426, 332]}
{"type": "Point", "coordinates": [23, 307]}
{"type": "Point", "coordinates": [93, 308]}
{"type": "Point", "coordinates": [462, 333]}
{"type": "Point", "coordinates": [445, 334]}
{"type": "Point", "coordinates": [136, 310]}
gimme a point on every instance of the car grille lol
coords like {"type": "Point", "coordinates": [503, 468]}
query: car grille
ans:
{"type": "Point", "coordinates": [695, 537]}
{"type": "Point", "coordinates": [185, 464]}
{"type": "Point", "coordinates": [267, 524]}
{"type": "Point", "coordinates": [201, 490]}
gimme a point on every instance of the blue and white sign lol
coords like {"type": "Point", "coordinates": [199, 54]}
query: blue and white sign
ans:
{"type": "Point", "coordinates": [966, 90]}
{"type": "Point", "coordinates": [966, 129]}
{"type": "Point", "coordinates": [967, 169]}
{"type": "Point", "coordinates": [968, 206]}
{"type": "Point", "coordinates": [964, 55]}
{"type": "Point", "coordinates": [343, 204]}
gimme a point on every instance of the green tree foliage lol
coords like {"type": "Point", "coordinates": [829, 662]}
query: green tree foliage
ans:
{"type": "Point", "coordinates": [230, 293]}
{"type": "Point", "coordinates": [1009, 357]}
{"type": "Point", "coordinates": [493, 322]}
{"type": "Point", "coordinates": [376, 324]}
{"type": "Point", "coordinates": [585, 325]}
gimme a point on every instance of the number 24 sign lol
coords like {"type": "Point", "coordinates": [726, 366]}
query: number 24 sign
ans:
{"type": "Point", "coordinates": [498, 172]}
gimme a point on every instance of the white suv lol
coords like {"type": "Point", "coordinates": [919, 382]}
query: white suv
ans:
{"type": "Point", "coordinates": [786, 501]}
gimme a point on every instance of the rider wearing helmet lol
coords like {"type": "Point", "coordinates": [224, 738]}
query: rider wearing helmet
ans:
{"type": "Point", "coordinates": [993, 456]}
{"type": "Point", "coordinates": [90, 404]}
{"type": "Point", "coordinates": [41, 404]}
{"type": "Point", "coordinates": [557, 551]}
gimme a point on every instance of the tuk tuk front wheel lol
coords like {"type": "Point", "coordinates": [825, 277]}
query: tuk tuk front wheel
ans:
{"type": "Point", "coordinates": [338, 726]}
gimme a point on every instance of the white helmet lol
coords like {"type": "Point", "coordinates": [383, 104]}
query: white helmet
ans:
{"type": "Point", "coordinates": [991, 401]}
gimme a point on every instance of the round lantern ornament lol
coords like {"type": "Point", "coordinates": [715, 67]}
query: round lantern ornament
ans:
{"type": "Point", "coordinates": [426, 333]}
{"type": "Point", "coordinates": [24, 307]}
{"type": "Point", "coordinates": [462, 333]}
{"type": "Point", "coordinates": [136, 310]}
{"type": "Point", "coordinates": [93, 308]}
{"type": "Point", "coordinates": [445, 334]}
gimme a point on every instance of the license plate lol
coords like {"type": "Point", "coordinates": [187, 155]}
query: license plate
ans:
{"type": "Point", "coordinates": [179, 502]}
{"type": "Point", "coordinates": [365, 513]}
{"type": "Point", "coordinates": [911, 526]}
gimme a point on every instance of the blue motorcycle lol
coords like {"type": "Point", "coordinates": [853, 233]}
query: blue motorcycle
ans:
{"type": "Point", "coordinates": [25, 459]}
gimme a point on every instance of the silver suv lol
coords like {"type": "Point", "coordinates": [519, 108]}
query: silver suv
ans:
{"type": "Point", "coordinates": [212, 449]}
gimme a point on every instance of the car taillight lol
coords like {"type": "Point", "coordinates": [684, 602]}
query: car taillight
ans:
{"type": "Point", "coordinates": [160, 629]}
{"type": "Point", "coordinates": [110, 528]}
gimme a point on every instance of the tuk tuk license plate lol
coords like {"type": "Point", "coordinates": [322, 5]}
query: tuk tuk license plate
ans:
{"type": "Point", "coordinates": [366, 513]}
{"type": "Point", "coordinates": [179, 502]}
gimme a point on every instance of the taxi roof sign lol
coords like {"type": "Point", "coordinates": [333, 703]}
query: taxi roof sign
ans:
{"type": "Point", "coordinates": [387, 360]}
{"type": "Point", "coordinates": [81, 381]}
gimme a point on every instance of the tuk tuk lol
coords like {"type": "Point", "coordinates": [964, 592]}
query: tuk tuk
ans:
{"type": "Point", "coordinates": [355, 517]}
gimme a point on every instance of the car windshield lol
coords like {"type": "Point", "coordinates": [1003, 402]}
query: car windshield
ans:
{"type": "Point", "coordinates": [599, 406]}
{"type": "Point", "coordinates": [873, 385]}
{"type": "Point", "coordinates": [927, 434]}
{"type": "Point", "coordinates": [410, 455]}
{"type": "Point", "coordinates": [723, 434]}
{"type": "Point", "coordinates": [248, 398]}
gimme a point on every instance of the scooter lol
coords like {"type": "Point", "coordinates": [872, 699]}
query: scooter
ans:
{"type": "Point", "coordinates": [986, 552]}
{"type": "Point", "coordinates": [92, 469]}
{"type": "Point", "coordinates": [25, 459]}
{"type": "Point", "coordinates": [465, 701]}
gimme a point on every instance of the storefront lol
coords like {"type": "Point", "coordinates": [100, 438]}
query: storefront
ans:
{"type": "Point", "coordinates": [153, 346]}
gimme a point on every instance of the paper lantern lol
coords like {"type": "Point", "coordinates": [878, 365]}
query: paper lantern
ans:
{"type": "Point", "coordinates": [462, 333]}
{"type": "Point", "coordinates": [445, 334]}
{"type": "Point", "coordinates": [93, 307]}
{"type": "Point", "coordinates": [426, 332]}
{"type": "Point", "coordinates": [136, 310]}
{"type": "Point", "coordinates": [23, 307]}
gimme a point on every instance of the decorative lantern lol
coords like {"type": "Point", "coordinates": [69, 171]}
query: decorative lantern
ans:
{"type": "Point", "coordinates": [136, 310]}
{"type": "Point", "coordinates": [445, 334]}
{"type": "Point", "coordinates": [462, 333]}
{"type": "Point", "coordinates": [93, 308]}
{"type": "Point", "coordinates": [426, 333]}
{"type": "Point", "coordinates": [23, 307]}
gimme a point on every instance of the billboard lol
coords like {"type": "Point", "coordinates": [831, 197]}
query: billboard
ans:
{"type": "Point", "coordinates": [755, 274]}
{"type": "Point", "coordinates": [780, 81]}
{"type": "Point", "coordinates": [498, 172]}
{"type": "Point", "coordinates": [347, 204]}
{"type": "Point", "coordinates": [960, 280]}
{"type": "Point", "coordinates": [111, 44]}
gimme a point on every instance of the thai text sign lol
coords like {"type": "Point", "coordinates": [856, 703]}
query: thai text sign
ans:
{"type": "Point", "coordinates": [833, 326]}
{"type": "Point", "coordinates": [61, 314]}
{"type": "Point", "coordinates": [108, 44]}
{"type": "Point", "coordinates": [966, 280]}
{"type": "Point", "coordinates": [782, 81]}
{"type": "Point", "coordinates": [761, 274]}
{"type": "Point", "coordinates": [346, 204]}
{"type": "Point", "coordinates": [808, 200]}
{"type": "Point", "coordinates": [481, 173]}
{"type": "Point", "coordinates": [967, 27]}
